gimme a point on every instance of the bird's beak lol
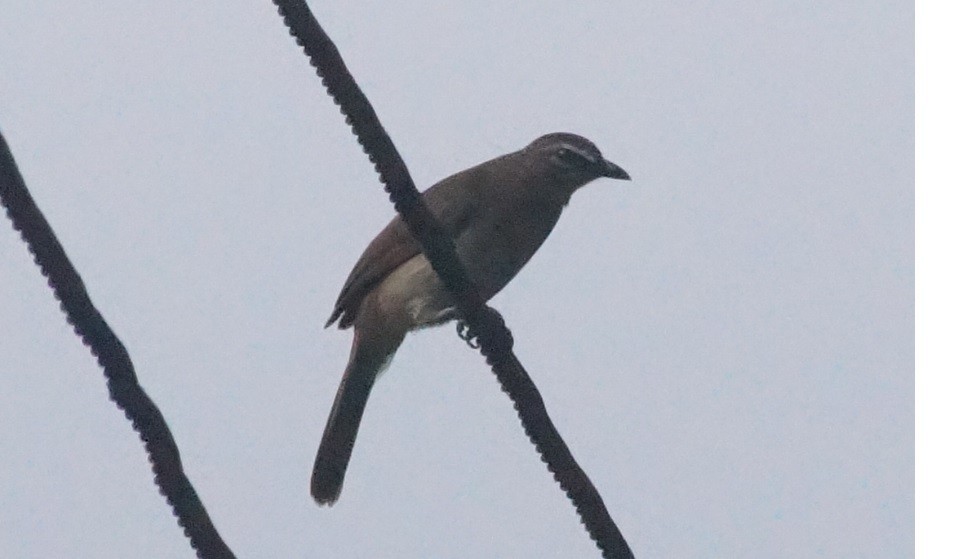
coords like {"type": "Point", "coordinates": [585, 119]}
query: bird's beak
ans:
{"type": "Point", "coordinates": [612, 170]}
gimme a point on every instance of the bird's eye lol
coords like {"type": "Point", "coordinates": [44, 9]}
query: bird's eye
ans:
{"type": "Point", "coordinates": [569, 157]}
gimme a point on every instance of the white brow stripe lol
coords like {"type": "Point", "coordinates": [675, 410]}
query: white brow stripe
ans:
{"type": "Point", "coordinates": [579, 152]}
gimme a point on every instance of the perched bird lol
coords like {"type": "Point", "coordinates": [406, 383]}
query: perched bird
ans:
{"type": "Point", "coordinates": [498, 213]}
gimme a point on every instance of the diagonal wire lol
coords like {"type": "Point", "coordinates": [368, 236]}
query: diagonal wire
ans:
{"type": "Point", "coordinates": [122, 383]}
{"type": "Point", "coordinates": [494, 339]}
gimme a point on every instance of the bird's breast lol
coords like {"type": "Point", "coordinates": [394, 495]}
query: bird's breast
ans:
{"type": "Point", "coordinates": [498, 246]}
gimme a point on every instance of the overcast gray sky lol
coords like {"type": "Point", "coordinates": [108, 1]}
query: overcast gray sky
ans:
{"type": "Point", "coordinates": [726, 343]}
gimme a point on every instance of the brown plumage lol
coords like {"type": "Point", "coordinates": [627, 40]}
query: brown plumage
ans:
{"type": "Point", "coordinates": [498, 213]}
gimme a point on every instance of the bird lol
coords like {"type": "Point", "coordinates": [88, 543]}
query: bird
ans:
{"type": "Point", "coordinates": [498, 213]}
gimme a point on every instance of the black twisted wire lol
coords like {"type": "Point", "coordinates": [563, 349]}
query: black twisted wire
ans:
{"type": "Point", "coordinates": [112, 356]}
{"type": "Point", "coordinates": [494, 339]}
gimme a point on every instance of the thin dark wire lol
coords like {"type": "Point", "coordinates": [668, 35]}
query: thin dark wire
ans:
{"type": "Point", "coordinates": [495, 340]}
{"type": "Point", "coordinates": [122, 383]}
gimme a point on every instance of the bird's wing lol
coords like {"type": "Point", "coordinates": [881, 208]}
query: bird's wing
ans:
{"type": "Point", "coordinates": [395, 245]}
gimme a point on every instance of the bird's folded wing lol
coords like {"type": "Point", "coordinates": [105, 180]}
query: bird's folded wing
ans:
{"type": "Point", "coordinates": [395, 245]}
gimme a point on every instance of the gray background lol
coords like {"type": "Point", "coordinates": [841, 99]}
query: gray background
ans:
{"type": "Point", "coordinates": [725, 343]}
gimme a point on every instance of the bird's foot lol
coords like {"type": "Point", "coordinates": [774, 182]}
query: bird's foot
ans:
{"type": "Point", "coordinates": [488, 317]}
{"type": "Point", "coordinates": [467, 334]}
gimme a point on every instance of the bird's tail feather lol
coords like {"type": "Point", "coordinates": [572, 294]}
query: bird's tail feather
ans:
{"type": "Point", "coordinates": [340, 434]}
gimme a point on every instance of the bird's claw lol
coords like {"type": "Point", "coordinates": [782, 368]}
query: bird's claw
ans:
{"type": "Point", "coordinates": [490, 319]}
{"type": "Point", "coordinates": [467, 335]}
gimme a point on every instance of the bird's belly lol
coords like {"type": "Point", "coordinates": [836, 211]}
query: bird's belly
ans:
{"type": "Point", "coordinates": [415, 293]}
{"type": "Point", "coordinates": [491, 255]}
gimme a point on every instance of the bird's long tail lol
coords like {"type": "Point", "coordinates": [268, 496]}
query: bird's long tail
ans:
{"type": "Point", "coordinates": [367, 360]}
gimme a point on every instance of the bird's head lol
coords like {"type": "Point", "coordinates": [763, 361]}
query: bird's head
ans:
{"type": "Point", "coordinates": [571, 160]}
